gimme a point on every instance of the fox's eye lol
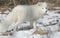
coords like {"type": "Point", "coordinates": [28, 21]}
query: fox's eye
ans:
{"type": "Point", "coordinates": [46, 7]}
{"type": "Point", "coordinates": [38, 4]}
{"type": "Point", "coordinates": [42, 8]}
{"type": "Point", "coordinates": [40, 23]}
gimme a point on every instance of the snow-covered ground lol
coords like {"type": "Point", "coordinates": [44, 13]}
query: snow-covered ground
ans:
{"type": "Point", "coordinates": [49, 23]}
{"type": "Point", "coordinates": [28, 34]}
{"type": "Point", "coordinates": [54, 35]}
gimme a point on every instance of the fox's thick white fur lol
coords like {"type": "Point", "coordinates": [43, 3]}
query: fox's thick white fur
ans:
{"type": "Point", "coordinates": [24, 12]}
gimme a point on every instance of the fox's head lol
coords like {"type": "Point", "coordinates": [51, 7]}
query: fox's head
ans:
{"type": "Point", "coordinates": [40, 8]}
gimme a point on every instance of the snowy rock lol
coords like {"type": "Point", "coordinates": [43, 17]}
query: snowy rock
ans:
{"type": "Point", "coordinates": [7, 11]}
{"type": "Point", "coordinates": [54, 35]}
{"type": "Point", "coordinates": [49, 22]}
{"type": "Point", "coordinates": [2, 17]}
{"type": "Point", "coordinates": [5, 36]}
{"type": "Point", "coordinates": [0, 12]}
{"type": "Point", "coordinates": [38, 36]}
{"type": "Point", "coordinates": [23, 34]}
{"type": "Point", "coordinates": [25, 24]}
{"type": "Point", "coordinates": [27, 34]}
{"type": "Point", "coordinates": [56, 7]}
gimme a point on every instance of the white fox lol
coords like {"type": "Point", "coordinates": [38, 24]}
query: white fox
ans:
{"type": "Point", "coordinates": [24, 12]}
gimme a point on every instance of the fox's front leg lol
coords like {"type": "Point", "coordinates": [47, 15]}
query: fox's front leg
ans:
{"type": "Point", "coordinates": [35, 24]}
{"type": "Point", "coordinates": [20, 19]}
{"type": "Point", "coordinates": [37, 30]}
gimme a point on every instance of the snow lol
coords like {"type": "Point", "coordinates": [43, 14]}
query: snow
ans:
{"type": "Point", "coordinates": [0, 12]}
{"type": "Point", "coordinates": [56, 7]}
{"type": "Point", "coordinates": [49, 22]}
{"type": "Point", "coordinates": [2, 17]}
{"type": "Point", "coordinates": [54, 35]}
{"type": "Point", "coordinates": [27, 34]}
{"type": "Point", "coordinates": [4, 36]}
{"type": "Point", "coordinates": [7, 11]}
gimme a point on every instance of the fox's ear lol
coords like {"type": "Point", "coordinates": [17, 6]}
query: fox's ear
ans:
{"type": "Point", "coordinates": [39, 3]}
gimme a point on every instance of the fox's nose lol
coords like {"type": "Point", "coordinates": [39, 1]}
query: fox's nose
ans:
{"type": "Point", "coordinates": [45, 12]}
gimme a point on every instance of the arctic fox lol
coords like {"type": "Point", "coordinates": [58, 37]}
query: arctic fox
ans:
{"type": "Point", "coordinates": [24, 12]}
